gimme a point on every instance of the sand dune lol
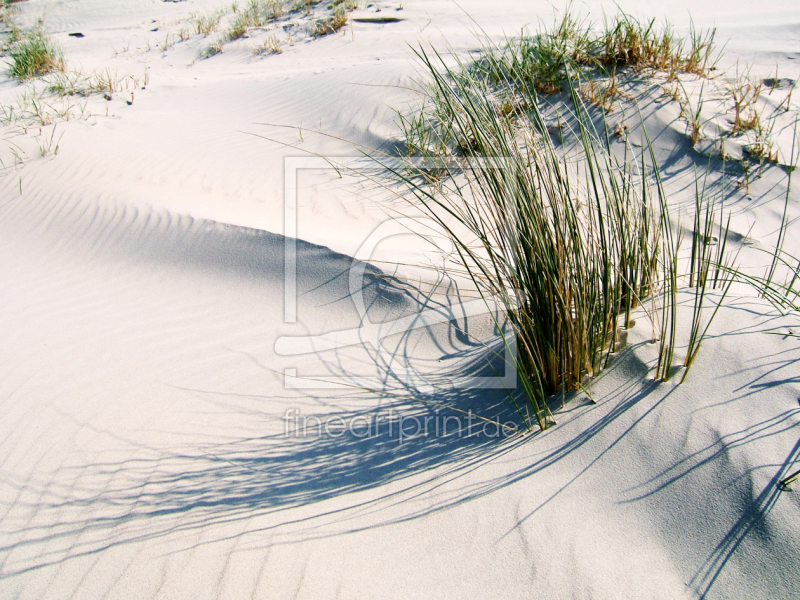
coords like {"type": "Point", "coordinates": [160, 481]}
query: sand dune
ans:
{"type": "Point", "coordinates": [151, 441]}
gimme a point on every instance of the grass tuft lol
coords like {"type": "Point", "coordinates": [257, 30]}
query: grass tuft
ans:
{"type": "Point", "coordinates": [207, 23]}
{"type": "Point", "coordinates": [257, 13]}
{"type": "Point", "coordinates": [565, 249]}
{"type": "Point", "coordinates": [692, 115]}
{"type": "Point", "coordinates": [331, 24]}
{"type": "Point", "coordinates": [544, 59]}
{"type": "Point", "coordinates": [745, 93]}
{"type": "Point", "coordinates": [270, 45]}
{"type": "Point", "coordinates": [34, 55]}
{"type": "Point", "coordinates": [213, 49]}
{"type": "Point", "coordinates": [560, 236]}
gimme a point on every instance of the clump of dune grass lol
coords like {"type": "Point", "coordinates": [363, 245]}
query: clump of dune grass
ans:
{"type": "Point", "coordinates": [275, 8]}
{"type": "Point", "coordinates": [34, 55]}
{"type": "Point", "coordinates": [600, 94]}
{"type": "Point", "coordinates": [262, 13]}
{"type": "Point", "coordinates": [207, 23]}
{"type": "Point", "coordinates": [574, 45]}
{"type": "Point", "coordinates": [213, 49]}
{"type": "Point", "coordinates": [565, 243]}
{"type": "Point", "coordinates": [270, 45]}
{"type": "Point", "coordinates": [239, 26]}
{"type": "Point", "coordinates": [331, 24]}
{"type": "Point", "coordinates": [256, 13]}
{"type": "Point", "coordinates": [244, 21]}
{"type": "Point", "coordinates": [744, 93]}
{"type": "Point", "coordinates": [306, 5]}
{"type": "Point", "coordinates": [566, 258]}
{"type": "Point", "coordinates": [628, 42]}
{"type": "Point", "coordinates": [763, 149]}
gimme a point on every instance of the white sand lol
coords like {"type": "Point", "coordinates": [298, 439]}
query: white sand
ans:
{"type": "Point", "coordinates": [142, 442]}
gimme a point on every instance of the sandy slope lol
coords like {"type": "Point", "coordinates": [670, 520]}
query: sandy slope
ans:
{"type": "Point", "coordinates": [143, 446]}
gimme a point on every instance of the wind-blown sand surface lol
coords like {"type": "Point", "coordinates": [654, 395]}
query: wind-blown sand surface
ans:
{"type": "Point", "coordinates": [143, 440]}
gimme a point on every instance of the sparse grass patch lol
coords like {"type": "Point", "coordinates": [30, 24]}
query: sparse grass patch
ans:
{"type": "Point", "coordinates": [34, 107]}
{"type": "Point", "coordinates": [599, 93]}
{"type": "Point", "coordinates": [78, 83]}
{"type": "Point", "coordinates": [745, 93]}
{"type": "Point", "coordinates": [49, 144]}
{"type": "Point", "coordinates": [276, 8]}
{"type": "Point", "coordinates": [207, 23]}
{"type": "Point", "coordinates": [692, 115]}
{"type": "Point", "coordinates": [7, 11]}
{"type": "Point", "coordinates": [105, 81]}
{"type": "Point", "coordinates": [781, 284]}
{"type": "Point", "coordinates": [213, 49]}
{"type": "Point", "coordinates": [348, 5]}
{"type": "Point", "coordinates": [788, 100]}
{"type": "Point", "coordinates": [270, 45]}
{"type": "Point", "coordinates": [169, 42]}
{"type": "Point", "coordinates": [306, 5]}
{"type": "Point", "coordinates": [709, 268]}
{"type": "Point", "coordinates": [672, 91]}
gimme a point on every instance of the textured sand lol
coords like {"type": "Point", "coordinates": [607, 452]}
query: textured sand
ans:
{"type": "Point", "coordinates": [143, 446]}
